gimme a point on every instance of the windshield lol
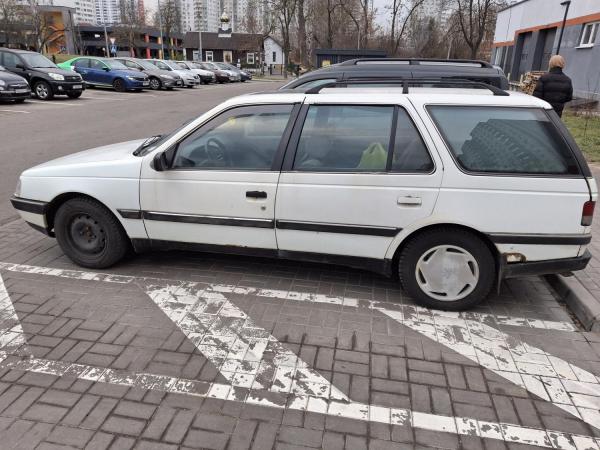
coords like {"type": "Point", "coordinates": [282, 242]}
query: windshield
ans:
{"type": "Point", "coordinates": [146, 65]}
{"type": "Point", "coordinates": [2, 68]}
{"type": "Point", "coordinates": [115, 64]}
{"type": "Point", "coordinates": [37, 60]}
{"type": "Point", "coordinates": [209, 65]}
{"type": "Point", "coordinates": [183, 66]}
{"type": "Point", "coordinates": [173, 65]}
{"type": "Point", "coordinates": [152, 142]}
{"type": "Point", "coordinates": [161, 65]}
{"type": "Point", "coordinates": [222, 66]}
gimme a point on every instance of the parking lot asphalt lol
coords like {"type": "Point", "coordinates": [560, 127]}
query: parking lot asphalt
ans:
{"type": "Point", "coordinates": [181, 350]}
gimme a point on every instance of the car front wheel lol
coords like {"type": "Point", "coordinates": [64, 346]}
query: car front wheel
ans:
{"type": "Point", "coordinates": [450, 269]}
{"type": "Point", "coordinates": [43, 91]}
{"type": "Point", "coordinates": [155, 84]}
{"type": "Point", "coordinates": [89, 234]}
{"type": "Point", "coordinates": [119, 85]}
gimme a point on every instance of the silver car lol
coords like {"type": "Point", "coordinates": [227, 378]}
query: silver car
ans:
{"type": "Point", "coordinates": [159, 78]}
{"type": "Point", "coordinates": [189, 78]}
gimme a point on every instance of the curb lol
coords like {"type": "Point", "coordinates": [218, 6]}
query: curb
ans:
{"type": "Point", "coordinates": [579, 300]}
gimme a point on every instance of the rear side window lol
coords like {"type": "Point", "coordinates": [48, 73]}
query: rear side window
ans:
{"type": "Point", "coordinates": [504, 140]}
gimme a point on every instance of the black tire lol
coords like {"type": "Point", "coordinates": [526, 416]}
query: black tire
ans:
{"type": "Point", "coordinates": [155, 84]}
{"type": "Point", "coordinates": [89, 234]}
{"type": "Point", "coordinates": [74, 94]}
{"type": "Point", "coordinates": [43, 91]}
{"type": "Point", "coordinates": [119, 85]}
{"type": "Point", "coordinates": [424, 243]}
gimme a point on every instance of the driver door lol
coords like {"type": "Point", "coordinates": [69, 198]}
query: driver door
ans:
{"type": "Point", "coordinates": [220, 189]}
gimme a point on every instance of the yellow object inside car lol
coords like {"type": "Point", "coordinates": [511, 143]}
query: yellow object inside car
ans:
{"type": "Point", "coordinates": [374, 157]}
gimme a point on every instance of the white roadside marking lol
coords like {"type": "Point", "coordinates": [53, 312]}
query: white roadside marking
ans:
{"type": "Point", "coordinates": [218, 325]}
{"type": "Point", "coordinates": [106, 98]}
{"type": "Point", "coordinates": [235, 345]}
{"type": "Point", "coordinates": [15, 111]}
{"type": "Point", "coordinates": [53, 103]}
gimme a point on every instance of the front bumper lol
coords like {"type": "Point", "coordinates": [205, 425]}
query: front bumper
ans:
{"type": "Point", "coordinates": [170, 83]}
{"type": "Point", "coordinates": [137, 84]}
{"type": "Point", "coordinates": [207, 78]}
{"type": "Point", "coordinates": [547, 267]}
{"type": "Point", "coordinates": [15, 95]}
{"type": "Point", "coordinates": [33, 212]}
{"type": "Point", "coordinates": [63, 87]}
{"type": "Point", "coordinates": [191, 81]}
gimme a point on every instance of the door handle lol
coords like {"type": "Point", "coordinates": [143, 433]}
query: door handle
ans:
{"type": "Point", "coordinates": [256, 194]}
{"type": "Point", "coordinates": [409, 200]}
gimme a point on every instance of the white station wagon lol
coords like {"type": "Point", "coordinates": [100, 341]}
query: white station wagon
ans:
{"type": "Point", "coordinates": [450, 189]}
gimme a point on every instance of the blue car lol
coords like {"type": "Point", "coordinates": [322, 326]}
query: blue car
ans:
{"type": "Point", "coordinates": [107, 72]}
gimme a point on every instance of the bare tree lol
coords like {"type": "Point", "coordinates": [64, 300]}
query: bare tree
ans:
{"type": "Point", "coordinates": [401, 15]}
{"type": "Point", "coordinates": [130, 26]}
{"type": "Point", "coordinates": [9, 18]}
{"type": "Point", "coordinates": [302, 43]}
{"type": "Point", "coordinates": [475, 17]}
{"type": "Point", "coordinates": [284, 11]}
{"type": "Point", "coordinates": [350, 9]}
{"type": "Point", "coordinates": [169, 16]}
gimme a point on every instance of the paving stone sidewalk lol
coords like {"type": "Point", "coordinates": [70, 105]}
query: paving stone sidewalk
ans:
{"type": "Point", "coordinates": [181, 350]}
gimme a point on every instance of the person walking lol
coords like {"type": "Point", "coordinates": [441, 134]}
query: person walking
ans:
{"type": "Point", "coordinates": [555, 87]}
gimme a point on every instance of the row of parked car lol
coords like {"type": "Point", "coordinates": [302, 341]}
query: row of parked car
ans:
{"type": "Point", "coordinates": [23, 72]}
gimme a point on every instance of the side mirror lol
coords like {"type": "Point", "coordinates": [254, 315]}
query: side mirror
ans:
{"type": "Point", "coordinates": [20, 66]}
{"type": "Point", "coordinates": [160, 162]}
{"type": "Point", "coordinates": [106, 69]}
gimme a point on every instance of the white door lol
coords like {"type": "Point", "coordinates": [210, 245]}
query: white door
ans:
{"type": "Point", "coordinates": [220, 189]}
{"type": "Point", "coordinates": [360, 174]}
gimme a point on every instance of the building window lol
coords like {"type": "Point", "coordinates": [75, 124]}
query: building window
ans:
{"type": "Point", "coordinates": [250, 58]}
{"type": "Point", "coordinates": [588, 36]}
{"type": "Point", "coordinates": [209, 55]}
{"type": "Point", "coordinates": [274, 56]}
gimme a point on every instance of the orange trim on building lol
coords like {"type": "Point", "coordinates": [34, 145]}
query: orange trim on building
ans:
{"type": "Point", "coordinates": [569, 23]}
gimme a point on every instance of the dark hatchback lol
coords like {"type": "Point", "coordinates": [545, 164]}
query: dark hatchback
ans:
{"type": "Point", "coordinates": [44, 77]}
{"type": "Point", "coordinates": [13, 87]}
{"type": "Point", "coordinates": [397, 68]}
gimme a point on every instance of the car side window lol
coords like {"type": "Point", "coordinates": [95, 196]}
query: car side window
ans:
{"type": "Point", "coordinates": [84, 62]}
{"type": "Point", "coordinates": [97, 65]}
{"type": "Point", "coordinates": [243, 138]}
{"type": "Point", "coordinates": [10, 60]}
{"type": "Point", "coordinates": [314, 83]}
{"type": "Point", "coordinates": [131, 64]}
{"type": "Point", "coordinates": [345, 138]}
{"type": "Point", "coordinates": [410, 153]}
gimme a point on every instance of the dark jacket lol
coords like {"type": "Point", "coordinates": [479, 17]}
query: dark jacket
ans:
{"type": "Point", "coordinates": [556, 88]}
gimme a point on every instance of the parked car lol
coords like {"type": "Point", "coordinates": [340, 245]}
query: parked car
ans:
{"type": "Point", "coordinates": [13, 87]}
{"type": "Point", "coordinates": [244, 74]}
{"type": "Point", "coordinates": [221, 76]}
{"type": "Point", "coordinates": [450, 189]}
{"type": "Point", "coordinates": [44, 77]}
{"type": "Point", "coordinates": [158, 78]}
{"type": "Point", "coordinates": [206, 76]}
{"type": "Point", "coordinates": [233, 74]}
{"type": "Point", "coordinates": [382, 68]}
{"type": "Point", "coordinates": [189, 79]}
{"type": "Point", "coordinates": [107, 72]}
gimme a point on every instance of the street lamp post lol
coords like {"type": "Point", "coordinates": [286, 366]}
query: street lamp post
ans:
{"type": "Point", "coordinates": [162, 42]}
{"type": "Point", "coordinates": [566, 3]}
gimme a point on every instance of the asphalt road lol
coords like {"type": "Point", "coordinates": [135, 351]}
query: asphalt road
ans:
{"type": "Point", "coordinates": [35, 132]}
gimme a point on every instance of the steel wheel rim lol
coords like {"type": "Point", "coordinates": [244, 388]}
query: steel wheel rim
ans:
{"type": "Point", "coordinates": [154, 84]}
{"type": "Point", "coordinates": [87, 234]}
{"type": "Point", "coordinates": [41, 90]}
{"type": "Point", "coordinates": [447, 273]}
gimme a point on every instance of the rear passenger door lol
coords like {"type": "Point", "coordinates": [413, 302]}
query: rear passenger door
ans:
{"type": "Point", "coordinates": [354, 177]}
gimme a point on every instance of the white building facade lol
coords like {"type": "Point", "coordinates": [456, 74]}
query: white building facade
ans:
{"type": "Point", "coordinates": [85, 10]}
{"type": "Point", "coordinates": [200, 15]}
{"type": "Point", "coordinates": [107, 12]}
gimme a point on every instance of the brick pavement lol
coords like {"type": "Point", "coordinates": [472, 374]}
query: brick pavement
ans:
{"type": "Point", "coordinates": [153, 388]}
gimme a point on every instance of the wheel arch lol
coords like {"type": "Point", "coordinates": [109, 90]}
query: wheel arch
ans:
{"type": "Point", "coordinates": [61, 199]}
{"type": "Point", "coordinates": [414, 234]}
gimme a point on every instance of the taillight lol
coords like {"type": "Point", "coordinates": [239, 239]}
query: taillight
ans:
{"type": "Point", "coordinates": [588, 213]}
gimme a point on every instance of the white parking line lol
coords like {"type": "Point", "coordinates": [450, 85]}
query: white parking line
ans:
{"type": "Point", "coordinates": [229, 338]}
{"type": "Point", "coordinates": [53, 103]}
{"type": "Point", "coordinates": [15, 111]}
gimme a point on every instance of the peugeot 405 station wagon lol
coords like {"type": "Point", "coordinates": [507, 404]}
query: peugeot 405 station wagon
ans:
{"type": "Point", "coordinates": [451, 189]}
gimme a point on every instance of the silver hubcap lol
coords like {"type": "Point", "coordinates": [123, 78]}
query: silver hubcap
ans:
{"type": "Point", "coordinates": [447, 273]}
{"type": "Point", "coordinates": [41, 91]}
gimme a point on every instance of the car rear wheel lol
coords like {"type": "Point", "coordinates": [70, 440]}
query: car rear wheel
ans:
{"type": "Point", "coordinates": [89, 234]}
{"type": "Point", "coordinates": [74, 94]}
{"type": "Point", "coordinates": [43, 91]}
{"type": "Point", "coordinates": [155, 84]}
{"type": "Point", "coordinates": [450, 269]}
{"type": "Point", "coordinates": [119, 85]}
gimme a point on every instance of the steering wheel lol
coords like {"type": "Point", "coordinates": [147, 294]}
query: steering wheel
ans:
{"type": "Point", "coordinates": [217, 152]}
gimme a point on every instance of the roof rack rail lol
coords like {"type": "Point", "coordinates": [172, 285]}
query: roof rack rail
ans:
{"type": "Point", "coordinates": [416, 61]}
{"type": "Point", "coordinates": [406, 82]}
